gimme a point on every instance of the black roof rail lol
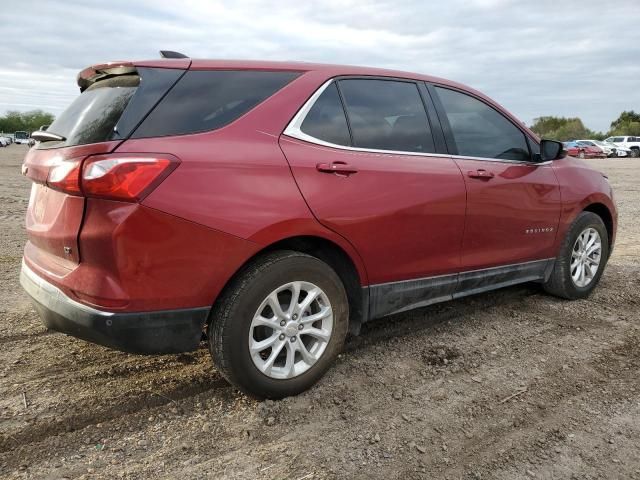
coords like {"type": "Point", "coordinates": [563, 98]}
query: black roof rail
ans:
{"type": "Point", "coordinates": [171, 54]}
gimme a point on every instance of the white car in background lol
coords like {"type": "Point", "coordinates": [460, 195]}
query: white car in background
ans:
{"type": "Point", "coordinates": [4, 142]}
{"type": "Point", "coordinates": [632, 143]}
{"type": "Point", "coordinates": [622, 151]}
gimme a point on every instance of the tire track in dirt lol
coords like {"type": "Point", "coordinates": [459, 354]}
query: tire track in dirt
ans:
{"type": "Point", "coordinates": [545, 421]}
{"type": "Point", "coordinates": [94, 410]}
{"type": "Point", "coordinates": [17, 337]}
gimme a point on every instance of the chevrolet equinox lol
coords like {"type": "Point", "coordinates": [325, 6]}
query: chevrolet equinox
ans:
{"type": "Point", "coordinates": [272, 208]}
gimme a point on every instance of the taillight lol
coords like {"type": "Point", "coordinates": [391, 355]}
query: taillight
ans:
{"type": "Point", "coordinates": [125, 177]}
{"type": "Point", "coordinates": [64, 175]}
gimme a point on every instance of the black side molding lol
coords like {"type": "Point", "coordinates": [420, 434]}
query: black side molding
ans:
{"type": "Point", "coordinates": [395, 297]}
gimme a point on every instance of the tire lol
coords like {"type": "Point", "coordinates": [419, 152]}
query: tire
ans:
{"type": "Point", "coordinates": [560, 282]}
{"type": "Point", "coordinates": [232, 328]}
{"type": "Point", "coordinates": [635, 152]}
{"type": "Point", "coordinates": [581, 154]}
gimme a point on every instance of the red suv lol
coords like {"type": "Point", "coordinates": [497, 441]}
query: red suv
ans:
{"type": "Point", "coordinates": [271, 208]}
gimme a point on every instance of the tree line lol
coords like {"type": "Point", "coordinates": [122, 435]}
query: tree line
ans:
{"type": "Point", "coordinates": [557, 128]}
{"type": "Point", "coordinates": [563, 129]}
{"type": "Point", "coordinates": [13, 121]}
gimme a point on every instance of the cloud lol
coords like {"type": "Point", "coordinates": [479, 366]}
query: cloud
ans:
{"type": "Point", "coordinates": [576, 57]}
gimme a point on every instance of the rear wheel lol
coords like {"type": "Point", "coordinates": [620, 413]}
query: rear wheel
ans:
{"type": "Point", "coordinates": [279, 325]}
{"type": "Point", "coordinates": [581, 154]}
{"type": "Point", "coordinates": [582, 258]}
{"type": "Point", "coordinates": [635, 152]}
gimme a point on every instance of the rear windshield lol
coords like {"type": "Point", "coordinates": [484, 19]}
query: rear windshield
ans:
{"type": "Point", "coordinates": [112, 108]}
{"type": "Point", "coordinates": [92, 116]}
{"type": "Point", "coordinates": [208, 99]}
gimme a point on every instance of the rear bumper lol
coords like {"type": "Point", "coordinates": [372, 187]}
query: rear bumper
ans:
{"type": "Point", "coordinates": [165, 331]}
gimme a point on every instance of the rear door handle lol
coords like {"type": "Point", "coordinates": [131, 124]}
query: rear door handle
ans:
{"type": "Point", "coordinates": [340, 168]}
{"type": "Point", "coordinates": [480, 173]}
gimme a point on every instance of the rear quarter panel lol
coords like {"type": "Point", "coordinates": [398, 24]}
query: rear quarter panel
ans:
{"type": "Point", "coordinates": [238, 183]}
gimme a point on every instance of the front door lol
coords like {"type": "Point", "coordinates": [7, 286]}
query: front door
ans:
{"type": "Point", "coordinates": [513, 203]}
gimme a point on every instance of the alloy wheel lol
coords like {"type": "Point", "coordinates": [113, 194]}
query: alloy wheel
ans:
{"type": "Point", "coordinates": [586, 257]}
{"type": "Point", "coordinates": [290, 330]}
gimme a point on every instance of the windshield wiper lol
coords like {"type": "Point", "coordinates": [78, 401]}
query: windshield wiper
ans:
{"type": "Point", "coordinates": [46, 136]}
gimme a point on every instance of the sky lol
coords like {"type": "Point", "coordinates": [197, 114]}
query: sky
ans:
{"type": "Point", "coordinates": [535, 57]}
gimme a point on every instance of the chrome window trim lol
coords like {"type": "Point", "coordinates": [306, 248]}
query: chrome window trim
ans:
{"type": "Point", "coordinates": [293, 130]}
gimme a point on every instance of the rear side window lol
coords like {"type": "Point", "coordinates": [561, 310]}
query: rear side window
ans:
{"type": "Point", "coordinates": [481, 131]}
{"type": "Point", "coordinates": [208, 99]}
{"type": "Point", "coordinates": [326, 120]}
{"type": "Point", "coordinates": [387, 115]}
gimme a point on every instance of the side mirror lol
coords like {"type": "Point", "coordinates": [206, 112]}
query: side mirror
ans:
{"type": "Point", "coordinates": [551, 150]}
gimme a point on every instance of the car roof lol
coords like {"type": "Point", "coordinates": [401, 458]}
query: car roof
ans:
{"type": "Point", "coordinates": [330, 70]}
{"type": "Point", "coordinates": [326, 70]}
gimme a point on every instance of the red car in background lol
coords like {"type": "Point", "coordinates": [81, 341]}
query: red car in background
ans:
{"type": "Point", "coordinates": [583, 150]}
{"type": "Point", "coordinates": [271, 208]}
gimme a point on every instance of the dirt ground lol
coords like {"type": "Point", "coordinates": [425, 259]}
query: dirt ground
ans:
{"type": "Point", "coordinates": [506, 385]}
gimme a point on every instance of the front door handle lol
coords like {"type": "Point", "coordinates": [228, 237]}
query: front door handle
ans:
{"type": "Point", "coordinates": [480, 173]}
{"type": "Point", "coordinates": [340, 168]}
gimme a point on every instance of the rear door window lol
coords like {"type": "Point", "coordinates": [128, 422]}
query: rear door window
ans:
{"type": "Point", "coordinates": [209, 99]}
{"type": "Point", "coordinates": [481, 131]}
{"type": "Point", "coordinates": [387, 115]}
{"type": "Point", "coordinates": [326, 119]}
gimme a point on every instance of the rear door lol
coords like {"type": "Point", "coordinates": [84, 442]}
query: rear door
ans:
{"type": "Point", "coordinates": [373, 176]}
{"type": "Point", "coordinates": [513, 203]}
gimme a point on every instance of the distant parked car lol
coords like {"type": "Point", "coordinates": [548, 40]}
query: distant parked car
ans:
{"type": "Point", "coordinates": [621, 151]}
{"type": "Point", "coordinates": [21, 137]}
{"type": "Point", "coordinates": [576, 149]}
{"type": "Point", "coordinates": [632, 143]}
{"type": "Point", "coordinates": [609, 149]}
{"type": "Point", "coordinates": [4, 142]}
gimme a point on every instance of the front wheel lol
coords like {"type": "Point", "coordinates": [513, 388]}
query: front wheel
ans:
{"type": "Point", "coordinates": [279, 325]}
{"type": "Point", "coordinates": [581, 154]}
{"type": "Point", "coordinates": [582, 258]}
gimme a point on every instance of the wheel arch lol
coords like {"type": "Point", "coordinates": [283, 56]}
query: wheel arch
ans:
{"type": "Point", "coordinates": [604, 213]}
{"type": "Point", "coordinates": [336, 257]}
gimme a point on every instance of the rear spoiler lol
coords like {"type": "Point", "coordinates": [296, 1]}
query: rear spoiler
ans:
{"type": "Point", "coordinates": [90, 75]}
{"type": "Point", "coordinates": [94, 73]}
